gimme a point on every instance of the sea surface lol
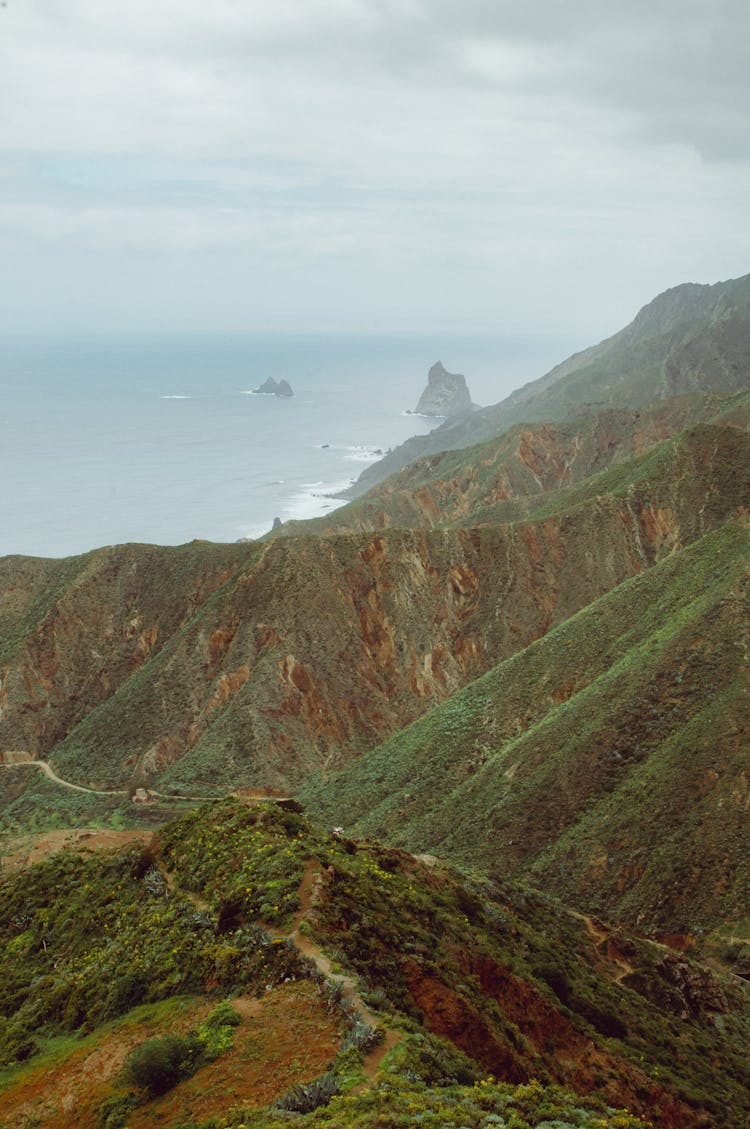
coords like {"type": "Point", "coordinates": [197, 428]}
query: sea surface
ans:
{"type": "Point", "coordinates": [160, 439]}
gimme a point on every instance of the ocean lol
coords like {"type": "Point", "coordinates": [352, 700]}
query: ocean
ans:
{"type": "Point", "coordinates": [160, 439]}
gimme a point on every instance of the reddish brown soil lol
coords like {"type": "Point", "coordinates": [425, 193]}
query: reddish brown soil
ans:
{"type": "Point", "coordinates": [28, 849]}
{"type": "Point", "coordinates": [286, 1038]}
{"type": "Point", "coordinates": [70, 1092]}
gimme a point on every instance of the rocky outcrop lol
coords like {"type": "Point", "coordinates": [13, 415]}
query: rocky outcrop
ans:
{"type": "Point", "coordinates": [446, 394]}
{"type": "Point", "coordinates": [273, 387]}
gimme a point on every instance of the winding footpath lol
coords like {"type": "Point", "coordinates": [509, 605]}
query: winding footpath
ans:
{"type": "Point", "coordinates": [599, 936]}
{"type": "Point", "coordinates": [309, 894]}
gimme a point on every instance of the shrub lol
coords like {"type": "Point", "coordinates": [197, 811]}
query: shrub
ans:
{"type": "Point", "coordinates": [305, 1098]}
{"type": "Point", "coordinates": [113, 1113]}
{"type": "Point", "coordinates": [223, 1015]}
{"type": "Point", "coordinates": [16, 1044]}
{"type": "Point", "coordinates": [362, 1036]}
{"type": "Point", "coordinates": [158, 1064]}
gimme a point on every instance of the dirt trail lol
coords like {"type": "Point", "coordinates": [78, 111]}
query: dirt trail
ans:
{"type": "Point", "coordinates": [18, 759]}
{"type": "Point", "coordinates": [199, 902]}
{"type": "Point", "coordinates": [600, 936]}
{"type": "Point", "coordinates": [309, 894]}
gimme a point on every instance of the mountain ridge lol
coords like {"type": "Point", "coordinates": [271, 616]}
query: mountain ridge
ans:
{"type": "Point", "coordinates": [220, 668]}
{"type": "Point", "coordinates": [646, 361]}
{"type": "Point", "coordinates": [554, 766]}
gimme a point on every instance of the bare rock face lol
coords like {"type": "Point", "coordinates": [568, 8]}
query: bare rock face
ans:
{"type": "Point", "coordinates": [273, 387]}
{"type": "Point", "coordinates": [446, 394]}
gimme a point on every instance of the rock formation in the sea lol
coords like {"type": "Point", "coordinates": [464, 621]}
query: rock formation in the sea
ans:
{"type": "Point", "coordinates": [446, 394]}
{"type": "Point", "coordinates": [273, 387]}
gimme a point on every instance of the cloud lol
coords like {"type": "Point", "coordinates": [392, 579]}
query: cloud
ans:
{"type": "Point", "coordinates": [492, 141]}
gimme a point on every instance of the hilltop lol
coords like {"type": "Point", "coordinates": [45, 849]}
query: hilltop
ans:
{"type": "Point", "coordinates": [349, 967]}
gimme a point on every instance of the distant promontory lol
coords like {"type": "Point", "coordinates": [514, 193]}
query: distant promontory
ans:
{"type": "Point", "coordinates": [273, 387]}
{"type": "Point", "coordinates": [446, 394]}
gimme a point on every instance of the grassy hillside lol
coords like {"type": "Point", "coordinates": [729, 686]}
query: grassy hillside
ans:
{"type": "Point", "coordinates": [607, 761]}
{"type": "Point", "coordinates": [318, 942]}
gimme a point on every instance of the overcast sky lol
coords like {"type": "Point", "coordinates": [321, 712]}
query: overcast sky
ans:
{"type": "Point", "coordinates": [368, 164]}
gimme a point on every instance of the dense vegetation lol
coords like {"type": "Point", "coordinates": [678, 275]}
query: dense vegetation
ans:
{"type": "Point", "coordinates": [88, 937]}
{"type": "Point", "coordinates": [401, 1103]}
{"type": "Point", "coordinates": [512, 980]}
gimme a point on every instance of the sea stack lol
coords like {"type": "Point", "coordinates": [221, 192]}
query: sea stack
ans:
{"type": "Point", "coordinates": [273, 387]}
{"type": "Point", "coordinates": [446, 394]}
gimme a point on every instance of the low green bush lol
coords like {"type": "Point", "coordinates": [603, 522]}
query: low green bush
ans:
{"type": "Point", "coordinates": [113, 1113]}
{"type": "Point", "coordinates": [311, 1095]}
{"type": "Point", "coordinates": [159, 1064]}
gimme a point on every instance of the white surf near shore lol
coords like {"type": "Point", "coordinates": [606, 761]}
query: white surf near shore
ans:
{"type": "Point", "coordinates": [315, 500]}
{"type": "Point", "coordinates": [150, 439]}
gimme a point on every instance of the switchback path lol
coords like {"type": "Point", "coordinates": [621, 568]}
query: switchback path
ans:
{"type": "Point", "coordinates": [600, 935]}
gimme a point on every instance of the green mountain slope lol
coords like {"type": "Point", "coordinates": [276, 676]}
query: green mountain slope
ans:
{"type": "Point", "coordinates": [513, 477]}
{"type": "Point", "coordinates": [607, 761]}
{"type": "Point", "coordinates": [213, 665]}
{"type": "Point", "coordinates": [102, 952]}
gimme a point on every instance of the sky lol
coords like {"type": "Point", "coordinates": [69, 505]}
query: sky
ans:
{"type": "Point", "coordinates": [540, 166]}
